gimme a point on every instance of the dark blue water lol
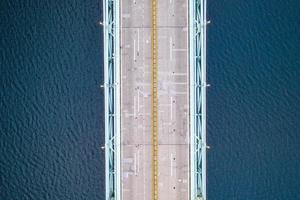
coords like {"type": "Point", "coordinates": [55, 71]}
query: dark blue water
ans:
{"type": "Point", "coordinates": [52, 106]}
{"type": "Point", "coordinates": [51, 102]}
{"type": "Point", "coordinates": [254, 101]}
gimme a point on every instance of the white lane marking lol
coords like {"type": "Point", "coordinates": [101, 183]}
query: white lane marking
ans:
{"type": "Point", "coordinates": [179, 83]}
{"type": "Point", "coordinates": [138, 36]}
{"type": "Point", "coordinates": [138, 160]}
{"type": "Point", "coordinates": [134, 165]}
{"type": "Point", "coordinates": [127, 46]}
{"type": "Point", "coordinates": [175, 167]}
{"type": "Point", "coordinates": [171, 166]}
{"type": "Point", "coordinates": [121, 22]}
{"type": "Point", "coordinates": [180, 74]}
{"type": "Point", "coordinates": [187, 124]}
{"type": "Point", "coordinates": [134, 49]}
{"type": "Point", "coordinates": [179, 49]}
{"type": "Point", "coordinates": [171, 1]}
{"type": "Point", "coordinates": [134, 105]}
{"type": "Point", "coordinates": [144, 170]}
{"type": "Point", "coordinates": [171, 113]}
{"type": "Point", "coordinates": [171, 48]}
{"type": "Point", "coordinates": [144, 157]}
{"type": "Point", "coordinates": [125, 16]}
{"type": "Point", "coordinates": [178, 93]}
{"type": "Point", "coordinates": [138, 101]}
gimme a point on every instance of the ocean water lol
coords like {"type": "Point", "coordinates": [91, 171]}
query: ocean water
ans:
{"type": "Point", "coordinates": [254, 101]}
{"type": "Point", "coordinates": [51, 103]}
{"type": "Point", "coordinates": [52, 107]}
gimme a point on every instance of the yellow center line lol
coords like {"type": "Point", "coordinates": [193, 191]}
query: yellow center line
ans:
{"type": "Point", "coordinates": [154, 103]}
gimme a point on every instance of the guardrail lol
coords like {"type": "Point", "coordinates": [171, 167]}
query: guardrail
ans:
{"type": "Point", "coordinates": [112, 98]}
{"type": "Point", "coordinates": [197, 16]}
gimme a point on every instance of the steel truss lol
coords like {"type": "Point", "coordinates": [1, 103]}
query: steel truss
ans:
{"type": "Point", "coordinates": [197, 18]}
{"type": "Point", "coordinates": [112, 98]}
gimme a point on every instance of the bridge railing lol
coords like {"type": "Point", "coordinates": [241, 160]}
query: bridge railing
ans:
{"type": "Point", "coordinates": [197, 16]}
{"type": "Point", "coordinates": [112, 98]}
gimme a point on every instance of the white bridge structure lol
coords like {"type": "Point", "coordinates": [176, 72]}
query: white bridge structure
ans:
{"type": "Point", "coordinates": [155, 99]}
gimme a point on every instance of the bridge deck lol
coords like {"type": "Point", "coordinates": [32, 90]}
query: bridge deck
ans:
{"type": "Point", "coordinates": [173, 99]}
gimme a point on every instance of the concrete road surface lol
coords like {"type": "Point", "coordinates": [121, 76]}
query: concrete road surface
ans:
{"type": "Point", "coordinates": [136, 130]}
